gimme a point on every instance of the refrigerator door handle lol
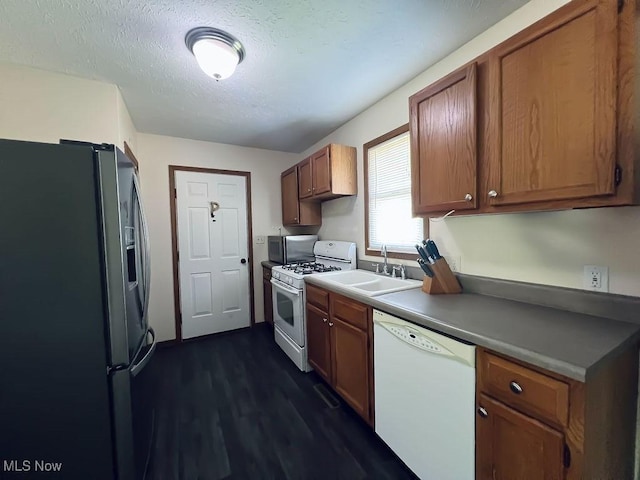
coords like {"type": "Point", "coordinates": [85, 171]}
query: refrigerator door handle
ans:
{"type": "Point", "coordinates": [136, 368]}
{"type": "Point", "coordinates": [146, 253]}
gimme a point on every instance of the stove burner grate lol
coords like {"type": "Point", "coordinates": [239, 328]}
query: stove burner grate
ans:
{"type": "Point", "coordinates": [307, 268]}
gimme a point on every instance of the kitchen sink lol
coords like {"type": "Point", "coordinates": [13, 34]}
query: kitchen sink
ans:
{"type": "Point", "coordinates": [368, 283]}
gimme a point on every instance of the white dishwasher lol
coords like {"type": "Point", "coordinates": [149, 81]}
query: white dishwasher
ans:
{"type": "Point", "coordinates": [425, 398]}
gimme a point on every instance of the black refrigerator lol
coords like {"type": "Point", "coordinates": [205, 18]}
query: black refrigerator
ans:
{"type": "Point", "coordinates": [76, 388]}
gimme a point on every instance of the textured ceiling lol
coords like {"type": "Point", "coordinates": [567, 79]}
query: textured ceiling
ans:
{"type": "Point", "coordinates": [310, 65]}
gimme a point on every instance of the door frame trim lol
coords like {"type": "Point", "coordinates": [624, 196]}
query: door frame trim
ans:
{"type": "Point", "coordinates": [174, 237]}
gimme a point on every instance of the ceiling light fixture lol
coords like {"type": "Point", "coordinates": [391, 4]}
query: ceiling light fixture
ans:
{"type": "Point", "coordinates": [217, 52]}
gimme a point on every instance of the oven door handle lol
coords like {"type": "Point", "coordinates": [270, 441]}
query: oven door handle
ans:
{"type": "Point", "coordinates": [285, 287]}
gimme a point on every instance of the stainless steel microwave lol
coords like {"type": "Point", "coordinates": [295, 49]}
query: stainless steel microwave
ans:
{"type": "Point", "coordinates": [291, 248]}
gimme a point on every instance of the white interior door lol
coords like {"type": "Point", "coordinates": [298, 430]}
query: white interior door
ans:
{"type": "Point", "coordinates": [213, 252]}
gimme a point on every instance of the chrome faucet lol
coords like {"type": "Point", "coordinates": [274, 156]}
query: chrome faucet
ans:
{"type": "Point", "coordinates": [385, 265]}
{"type": "Point", "coordinates": [401, 269]}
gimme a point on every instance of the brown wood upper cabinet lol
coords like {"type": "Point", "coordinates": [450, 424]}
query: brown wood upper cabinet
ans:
{"type": "Point", "coordinates": [328, 173]}
{"type": "Point", "coordinates": [552, 108]}
{"type": "Point", "coordinates": [543, 121]}
{"type": "Point", "coordinates": [305, 179]}
{"type": "Point", "coordinates": [443, 144]}
{"type": "Point", "coordinates": [295, 212]}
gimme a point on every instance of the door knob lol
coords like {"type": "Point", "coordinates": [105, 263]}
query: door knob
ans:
{"type": "Point", "coordinates": [243, 261]}
{"type": "Point", "coordinates": [468, 197]}
{"type": "Point", "coordinates": [493, 193]}
{"type": "Point", "coordinates": [483, 412]}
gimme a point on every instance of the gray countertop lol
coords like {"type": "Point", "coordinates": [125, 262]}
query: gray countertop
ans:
{"type": "Point", "coordinates": [568, 343]}
{"type": "Point", "coordinates": [268, 264]}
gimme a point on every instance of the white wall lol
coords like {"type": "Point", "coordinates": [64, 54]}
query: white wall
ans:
{"type": "Point", "coordinates": [126, 128]}
{"type": "Point", "coordinates": [156, 153]}
{"type": "Point", "coordinates": [44, 107]}
{"type": "Point", "coordinates": [549, 248]}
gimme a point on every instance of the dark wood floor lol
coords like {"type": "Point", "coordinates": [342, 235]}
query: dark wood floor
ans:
{"type": "Point", "coordinates": [235, 407]}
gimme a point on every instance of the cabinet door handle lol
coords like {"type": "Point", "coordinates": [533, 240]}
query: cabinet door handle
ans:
{"type": "Point", "coordinates": [493, 193]}
{"type": "Point", "coordinates": [515, 387]}
{"type": "Point", "coordinates": [308, 189]}
{"type": "Point", "coordinates": [295, 219]}
{"type": "Point", "coordinates": [483, 412]}
{"type": "Point", "coordinates": [566, 456]}
{"type": "Point", "coordinates": [324, 320]}
{"type": "Point", "coordinates": [468, 197]}
{"type": "Point", "coordinates": [331, 324]}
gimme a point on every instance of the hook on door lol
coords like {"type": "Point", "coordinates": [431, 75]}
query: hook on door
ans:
{"type": "Point", "coordinates": [214, 206]}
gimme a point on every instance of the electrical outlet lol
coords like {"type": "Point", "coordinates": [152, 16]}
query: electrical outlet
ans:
{"type": "Point", "coordinates": [260, 239]}
{"type": "Point", "coordinates": [596, 278]}
{"type": "Point", "coordinates": [454, 262]}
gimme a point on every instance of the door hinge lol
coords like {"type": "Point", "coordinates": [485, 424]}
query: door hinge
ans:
{"type": "Point", "coordinates": [178, 255]}
{"type": "Point", "coordinates": [620, 5]}
{"type": "Point", "coordinates": [175, 193]}
{"type": "Point", "coordinates": [618, 175]}
{"type": "Point", "coordinates": [566, 456]}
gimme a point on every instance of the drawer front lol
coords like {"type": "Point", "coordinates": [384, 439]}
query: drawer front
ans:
{"type": "Point", "coordinates": [318, 297]}
{"type": "Point", "coordinates": [350, 311]}
{"type": "Point", "coordinates": [266, 273]}
{"type": "Point", "coordinates": [527, 390]}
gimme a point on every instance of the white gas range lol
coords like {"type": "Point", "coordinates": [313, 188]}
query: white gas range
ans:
{"type": "Point", "coordinates": [290, 328]}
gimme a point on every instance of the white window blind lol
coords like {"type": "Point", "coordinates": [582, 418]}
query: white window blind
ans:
{"type": "Point", "coordinates": [389, 190]}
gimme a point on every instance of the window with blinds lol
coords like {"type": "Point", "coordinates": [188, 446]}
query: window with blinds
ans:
{"type": "Point", "coordinates": [389, 195]}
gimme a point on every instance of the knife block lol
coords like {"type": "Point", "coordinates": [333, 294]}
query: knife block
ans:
{"type": "Point", "coordinates": [443, 281]}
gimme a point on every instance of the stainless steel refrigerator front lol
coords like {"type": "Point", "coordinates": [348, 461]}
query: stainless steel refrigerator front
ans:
{"type": "Point", "coordinates": [74, 288]}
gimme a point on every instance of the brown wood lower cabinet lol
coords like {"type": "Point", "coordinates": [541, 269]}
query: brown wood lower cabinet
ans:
{"type": "Point", "coordinates": [514, 446]}
{"type": "Point", "coordinates": [533, 424]}
{"type": "Point", "coordinates": [338, 339]}
{"type": "Point", "coordinates": [319, 342]}
{"type": "Point", "coordinates": [349, 352]}
{"type": "Point", "coordinates": [268, 299]}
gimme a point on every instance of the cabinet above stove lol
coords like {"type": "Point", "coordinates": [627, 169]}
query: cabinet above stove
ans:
{"type": "Point", "coordinates": [327, 174]}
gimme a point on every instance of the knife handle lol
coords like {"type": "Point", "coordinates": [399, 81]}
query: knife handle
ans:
{"type": "Point", "coordinates": [423, 254]}
{"type": "Point", "coordinates": [425, 268]}
{"type": "Point", "coordinates": [432, 250]}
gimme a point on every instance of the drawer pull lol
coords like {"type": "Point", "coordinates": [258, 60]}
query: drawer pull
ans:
{"type": "Point", "coordinates": [483, 412]}
{"type": "Point", "coordinates": [515, 388]}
